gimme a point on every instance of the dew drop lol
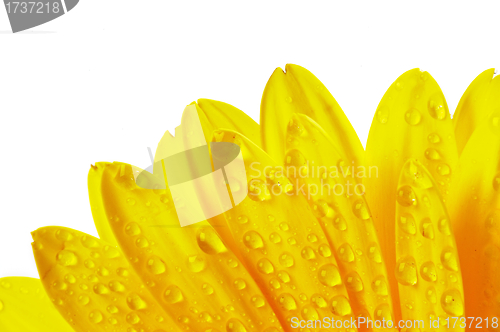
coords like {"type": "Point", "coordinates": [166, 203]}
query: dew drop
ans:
{"type": "Point", "coordinates": [449, 259]}
{"type": "Point", "coordinates": [406, 271]}
{"type": "Point", "coordinates": [242, 220]}
{"type": "Point", "coordinates": [287, 302]}
{"type": "Point", "coordinates": [286, 259]}
{"type": "Point", "coordinates": [66, 258]}
{"type": "Point", "coordinates": [430, 295]}
{"type": "Point", "coordinates": [353, 282]}
{"type": "Point", "coordinates": [406, 196]}
{"type": "Point", "coordinates": [339, 222]}
{"type": "Point", "coordinates": [155, 265]}
{"type": "Point", "coordinates": [234, 325]}
{"type": "Point", "coordinates": [434, 138]}
{"type": "Point", "coordinates": [383, 115]}
{"type": "Point", "coordinates": [360, 209]}
{"type": "Point", "coordinates": [132, 318]}
{"type": "Point", "coordinates": [116, 286]}
{"type": "Point", "coordinates": [345, 253]}
{"type": "Point", "coordinates": [132, 229]}
{"type": "Point", "coordinates": [407, 223]}
{"type": "Point", "coordinates": [253, 240]}
{"type": "Point", "coordinates": [265, 266]}
{"type": "Point", "coordinates": [63, 235]}
{"type": "Point", "coordinates": [258, 301]}
{"type": "Point", "coordinates": [284, 276]}
{"type": "Point", "coordinates": [413, 117]}
{"type": "Point", "coordinates": [95, 316]}
{"type": "Point", "coordinates": [196, 263]}
{"type": "Point", "coordinates": [135, 302]}
{"type": "Point", "coordinates": [379, 286]}
{"type": "Point", "coordinates": [437, 108]}
{"type": "Point", "coordinates": [318, 301]}
{"type": "Point", "coordinates": [173, 294]}
{"type": "Point", "coordinates": [426, 228]}
{"type": "Point", "coordinates": [444, 226]}
{"type": "Point", "coordinates": [83, 300]}
{"type": "Point", "coordinates": [240, 284]}
{"type": "Point", "coordinates": [329, 275]}
{"type": "Point", "coordinates": [275, 238]}
{"type": "Point", "coordinates": [207, 289]}
{"type": "Point", "coordinates": [258, 190]}
{"type": "Point", "coordinates": [443, 169]}
{"type": "Point", "coordinates": [324, 250]}
{"type": "Point", "coordinates": [340, 306]}
{"type": "Point", "coordinates": [209, 241]}
{"type": "Point", "coordinates": [308, 253]}
{"type": "Point", "coordinates": [452, 303]}
{"type": "Point", "coordinates": [428, 271]}
{"type": "Point", "coordinates": [432, 154]}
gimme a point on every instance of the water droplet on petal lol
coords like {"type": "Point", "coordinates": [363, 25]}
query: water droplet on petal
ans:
{"type": "Point", "coordinates": [428, 271]}
{"type": "Point", "coordinates": [413, 117]}
{"type": "Point", "coordinates": [340, 306]}
{"type": "Point", "coordinates": [406, 271]}
{"type": "Point", "coordinates": [406, 196]}
{"type": "Point", "coordinates": [329, 275]}
{"type": "Point", "coordinates": [452, 302]}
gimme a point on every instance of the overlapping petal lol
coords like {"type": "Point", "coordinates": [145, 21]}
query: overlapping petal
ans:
{"type": "Point", "coordinates": [92, 284]}
{"type": "Point", "coordinates": [282, 245]}
{"type": "Point", "coordinates": [411, 122]}
{"type": "Point", "coordinates": [298, 91]}
{"type": "Point", "coordinates": [25, 306]}
{"type": "Point", "coordinates": [336, 197]}
{"type": "Point", "coordinates": [427, 267]}
{"type": "Point", "coordinates": [474, 205]}
{"type": "Point", "coordinates": [195, 278]}
{"type": "Point", "coordinates": [480, 99]}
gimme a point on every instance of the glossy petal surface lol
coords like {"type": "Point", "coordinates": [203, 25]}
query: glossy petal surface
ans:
{"type": "Point", "coordinates": [24, 306]}
{"type": "Point", "coordinates": [479, 100]}
{"type": "Point", "coordinates": [474, 207]}
{"type": "Point", "coordinates": [412, 122]}
{"type": "Point", "coordinates": [337, 199]}
{"type": "Point", "coordinates": [427, 267]}
{"type": "Point", "coordinates": [299, 91]}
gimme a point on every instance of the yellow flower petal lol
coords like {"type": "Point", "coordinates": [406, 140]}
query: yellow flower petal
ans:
{"type": "Point", "coordinates": [479, 100]}
{"type": "Point", "coordinates": [474, 206]}
{"type": "Point", "coordinates": [412, 122]}
{"type": "Point", "coordinates": [282, 244]}
{"type": "Point", "coordinates": [299, 91]}
{"type": "Point", "coordinates": [338, 202]}
{"type": "Point", "coordinates": [224, 116]}
{"type": "Point", "coordinates": [197, 280]}
{"type": "Point", "coordinates": [427, 267]}
{"type": "Point", "coordinates": [92, 284]}
{"type": "Point", "coordinates": [24, 306]}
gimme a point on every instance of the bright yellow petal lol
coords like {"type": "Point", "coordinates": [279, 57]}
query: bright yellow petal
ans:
{"type": "Point", "coordinates": [412, 122]}
{"type": "Point", "coordinates": [299, 91]}
{"type": "Point", "coordinates": [24, 306]}
{"type": "Point", "coordinates": [427, 268]}
{"type": "Point", "coordinates": [224, 116]}
{"type": "Point", "coordinates": [479, 100]}
{"type": "Point", "coordinates": [283, 246]}
{"type": "Point", "coordinates": [474, 206]}
{"type": "Point", "coordinates": [196, 278]}
{"type": "Point", "coordinates": [92, 284]}
{"type": "Point", "coordinates": [337, 199]}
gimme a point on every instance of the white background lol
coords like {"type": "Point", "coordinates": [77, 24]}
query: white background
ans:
{"type": "Point", "coordinates": [105, 81]}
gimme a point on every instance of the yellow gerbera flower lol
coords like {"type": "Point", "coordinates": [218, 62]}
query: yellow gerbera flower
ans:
{"type": "Point", "coordinates": [389, 234]}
